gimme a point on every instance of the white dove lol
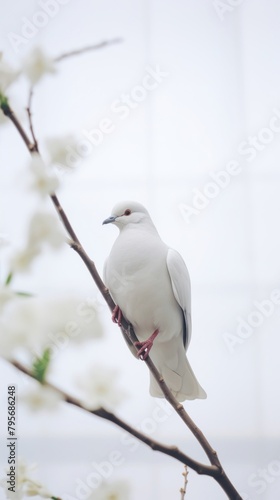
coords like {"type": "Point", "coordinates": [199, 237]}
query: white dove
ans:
{"type": "Point", "coordinates": [150, 284]}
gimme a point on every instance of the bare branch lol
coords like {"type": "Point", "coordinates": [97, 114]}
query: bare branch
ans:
{"type": "Point", "coordinates": [89, 48]}
{"type": "Point", "coordinates": [172, 451]}
{"type": "Point", "coordinates": [10, 114]}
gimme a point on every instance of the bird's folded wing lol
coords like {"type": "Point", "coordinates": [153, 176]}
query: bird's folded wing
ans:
{"type": "Point", "coordinates": [181, 286]}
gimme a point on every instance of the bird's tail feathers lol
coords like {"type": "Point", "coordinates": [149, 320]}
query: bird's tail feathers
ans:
{"type": "Point", "coordinates": [170, 360]}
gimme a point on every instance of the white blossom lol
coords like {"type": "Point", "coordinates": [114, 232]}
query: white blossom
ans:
{"type": "Point", "coordinates": [21, 327]}
{"type": "Point", "coordinates": [100, 388]}
{"type": "Point", "coordinates": [42, 181]}
{"type": "Point", "coordinates": [72, 319]}
{"type": "Point", "coordinates": [37, 65]}
{"type": "Point", "coordinates": [117, 490]}
{"type": "Point", "coordinates": [7, 75]}
{"type": "Point", "coordinates": [6, 294]}
{"type": "Point", "coordinates": [32, 324]}
{"type": "Point", "coordinates": [41, 398]}
{"type": "Point", "coordinates": [45, 228]}
{"type": "Point", "coordinates": [60, 149]}
{"type": "Point", "coordinates": [32, 489]}
{"type": "Point", "coordinates": [22, 260]}
{"type": "Point", "coordinates": [26, 485]}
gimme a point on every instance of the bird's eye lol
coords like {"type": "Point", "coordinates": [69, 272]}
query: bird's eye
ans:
{"type": "Point", "coordinates": [127, 212]}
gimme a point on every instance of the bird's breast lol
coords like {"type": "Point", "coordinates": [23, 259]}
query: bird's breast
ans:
{"type": "Point", "coordinates": [137, 277]}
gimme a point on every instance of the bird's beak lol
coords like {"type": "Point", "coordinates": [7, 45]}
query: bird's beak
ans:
{"type": "Point", "coordinates": [109, 220]}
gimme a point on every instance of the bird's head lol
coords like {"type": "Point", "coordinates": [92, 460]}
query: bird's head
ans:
{"type": "Point", "coordinates": [127, 212]}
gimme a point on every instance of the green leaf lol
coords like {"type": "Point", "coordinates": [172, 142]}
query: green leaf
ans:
{"type": "Point", "coordinates": [4, 103]}
{"type": "Point", "coordinates": [40, 366]}
{"type": "Point", "coordinates": [24, 294]}
{"type": "Point", "coordinates": [9, 279]}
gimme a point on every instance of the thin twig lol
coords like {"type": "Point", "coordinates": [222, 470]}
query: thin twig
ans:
{"type": "Point", "coordinates": [29, 113]}
{"type": "Point", "coordinates": [184, 489]}
{"type": "Point", "coordinates": [89, 48]}
{"type": "Point", "coordinates": [127, 330]}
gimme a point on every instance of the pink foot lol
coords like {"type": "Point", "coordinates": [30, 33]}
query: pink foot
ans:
{"type": "Point", "coordinates": [117, 315]}
{"type": "Point", "coordinates": [146, 346]}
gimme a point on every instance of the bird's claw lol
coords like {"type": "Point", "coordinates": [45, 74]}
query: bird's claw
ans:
{"type": "Point", "coordinates": [146, 346]}
{"type": "Point", "coordinates": [144, 349]}
{"type": "Point", "coordinates": [117, 315]}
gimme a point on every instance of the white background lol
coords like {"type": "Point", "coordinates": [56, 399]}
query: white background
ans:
{"type": "Point", "coordinates": [222, 87]}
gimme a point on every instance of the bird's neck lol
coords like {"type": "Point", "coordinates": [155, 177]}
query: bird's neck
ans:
{"type": "Point", "coordinates": [146, 228]}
